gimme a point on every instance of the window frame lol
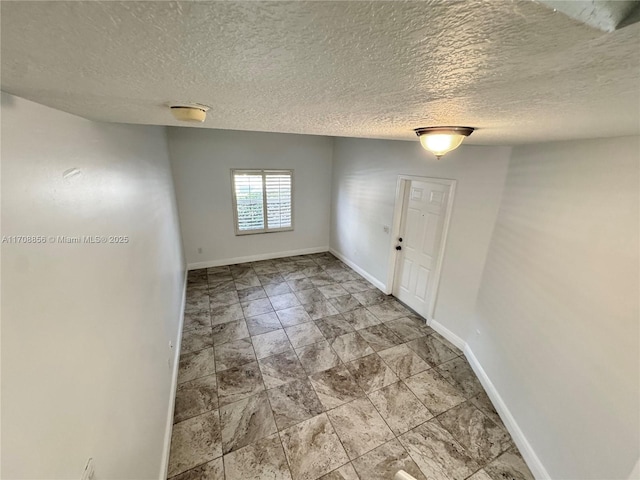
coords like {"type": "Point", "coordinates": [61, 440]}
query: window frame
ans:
{"type": "Point", "coordinates": [264, 172]}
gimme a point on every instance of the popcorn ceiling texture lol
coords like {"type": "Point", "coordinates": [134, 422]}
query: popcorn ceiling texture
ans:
{"type": "Point", "coordinates": [518, 71]}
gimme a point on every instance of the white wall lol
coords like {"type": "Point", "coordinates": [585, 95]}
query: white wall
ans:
{"type": "Point", "coordinates": [86, 327]}
{"type": "Point", "coordinates": [558, 305]}
{"type": "Point", "coordinates": [202, 160]}
{"type": "Point", "coordinates": [364, 187]}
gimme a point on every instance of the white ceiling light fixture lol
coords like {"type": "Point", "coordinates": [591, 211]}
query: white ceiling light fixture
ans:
{"type": "Point", "coordinates": [190, 112]}
{"type": "Point", "coordinates": [441, 140]}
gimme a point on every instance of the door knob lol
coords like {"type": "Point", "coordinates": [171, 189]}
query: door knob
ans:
{"type": "Point", "coordinates": [398, 247]}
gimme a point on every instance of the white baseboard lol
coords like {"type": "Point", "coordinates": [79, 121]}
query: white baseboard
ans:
{"type": "Point", "coordinates": [446, 333]}
{"type": "Point", "coordinates": [529, 455]}
{"type": "Point", "coordinates": [164, 466]}
{"type": "Point", "coordinates": [370, 278]}
{"type": "Point", "coordinates": [256, 258]}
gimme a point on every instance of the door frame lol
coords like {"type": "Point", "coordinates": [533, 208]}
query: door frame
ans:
{"type": "Point", "coordinates": [402, 184]}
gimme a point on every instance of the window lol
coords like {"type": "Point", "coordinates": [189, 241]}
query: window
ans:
{"type": "Point", "coordinates": [262, 200]}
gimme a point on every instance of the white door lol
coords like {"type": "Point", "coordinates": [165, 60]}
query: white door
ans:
{"type": "Point", "coordinates": [424, 210]}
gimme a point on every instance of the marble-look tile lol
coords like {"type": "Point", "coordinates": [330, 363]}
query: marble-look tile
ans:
{"type": "Point", "coordinates": [483, 403]}
{"type": "Point", "coordinates": [300, 284]}
{"type": "Point", "coordinates": [265, 268]}
{"type": "Point", "coordinates": [323, 258]}
{"type": "Point", "coordinates": [360, 318]}
{"type": "Point", "coordinates": [238, 383]}
{"type": "Point", "coordinates": [355, 286]}
{"type": "Point", "coordinates": [317, 357]}
{"type": "Point", "coordinates": [194, 441]}
{"type": "Point", "coordinates": [226, 314]}
{"type": "Point", "coordinates": [370, 297]}
{"type": "Point", "coordinates": [434, 392]}
{"type": "Point", "coordinates": [447, 343]}
{"type": "Point", "coordinates": [195, 294]}
{"type": "Point", "coordinates": [359, 426]}
{"type": "Point", "coordinates": [431, 350]}
{"type": "Point", "coordinates": [220, 269]}
{"type": "Point", "coordinates": [293, 316]}
{"type": "Point", "coordinates": [335, 386]}
{"type": "Point", "coordinates": [459, 373]}
{"type": "Point", "coordinates": [371, 373]}
{"type": "Point", "coordinates": [345, 303]}
{"type": "Point", "coordinates": [403, 361]}
{"type": "Point", "coordinates": [483, 475]}
{"type": "Point", "coordinates": [256, 307]}
{"type": "Point", "coordinates": [196, 339]}
{"type": "Point", "coordinates": [334, 326]}
{"type": "Point", "coordinates": [342, 276]}
{"type": "Point", "coordinates": [247, 281]}
{"type": "Point", "coordinates": [218, 272]}
{"type": "Point", "coordinates": [246, 421]}
{"type": "Point", "coordinates": [198, 301]}
{"type": "Point", "coordinates": [333, 290]}
{"type": "Point", "coordinates": [223, 298]}
{"type": "Point", "coordinates": [399, 407]}
{"type": "Point", "coordinates": [509, 465]}
{"type": "Point", "coordinates": [379, 337]}
{"type": "Point", "coordinates": [482, 439]}
{"type": "Point", "coordinates": [213, 470]}
{"type": "Point", "coordinates": [286, 300]}
{"type": "Point", "coordinates": [234, 354]}
{"type": "Point", "coordinates": [241, 270]}
{"type": "Point", "coordinates": [274, 289]}
{"type": "Point", "coordinates": [320, 309]}
{"type": "Point", "coordinates": [270, 278]}
{"type": "Point", "coordinates": [220, 286]}
{"type": "Point", "coordinates": [350, 346]}
{"type": "Point", "coordinates": [228, 332]}
{"type": "Point", "coordinates": [293, 275]}
{"type": "Point", "coordinates": [437, 453]}
{"type": "Point", "coordinates": [409, 328]}
{"type": "Point", "coordinates": [280, 369]}
{"type": "Point", "coordinates": [388, 310]}
{"type": "Point", "coordinates": [195, 365]}
{"type": "Point", "coordinates": [345, 472]}
{"type": "Point", "coordinates": [197, 320]}
{"type": "Point", "coordinates": [251, 293]}
{"type": "Point", "coordinates": [313, 448]}
{"type": "Point", "coordinates": [265, 323]}
{"type": "Point", "coordinates": [303, 260]}
{"type": "Point", "coordinates": [304, 334]}
{"type": "Point", "coordinates": [195, 397]}
{"type": "Point", "coordinates": [310, 296]}
{"type": "Point", "coordinates": [383, 463]}
{"type": "Point", "coordinates": [321, 279]}
{"type": "Point", "coordinates": [258, 461]}
{"type": "Point", "coordinates": [271, 343]}
{"type": "Point", "coordinates": [311, 271]}
{"type": "Point", "coordinates": [198, 274]}
{"type": "Point", "coordinates": [287, 267]}
{"type": "Point", "coordinates": [294, 402]}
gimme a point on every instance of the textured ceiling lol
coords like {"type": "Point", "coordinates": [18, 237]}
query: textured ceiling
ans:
{"type": "Point", "coordinates": [517, 70]}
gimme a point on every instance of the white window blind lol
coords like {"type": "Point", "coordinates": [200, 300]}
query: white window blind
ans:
{"type": "Point", "coordinates": [262, 200]}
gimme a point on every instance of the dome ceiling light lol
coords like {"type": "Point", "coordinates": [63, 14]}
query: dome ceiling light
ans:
{"type": "Point", "coordinates": [441, 140]}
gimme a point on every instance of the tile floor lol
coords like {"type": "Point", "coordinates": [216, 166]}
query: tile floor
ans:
{"type": "Point", "coordinates": [298, 369]}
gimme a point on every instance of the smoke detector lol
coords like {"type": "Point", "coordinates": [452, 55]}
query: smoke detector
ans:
{"type": "Point", "coordinates": [189, 112]}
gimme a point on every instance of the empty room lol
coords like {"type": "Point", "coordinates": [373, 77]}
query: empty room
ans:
{"type": "Point", "coordinates": [336, 240]}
